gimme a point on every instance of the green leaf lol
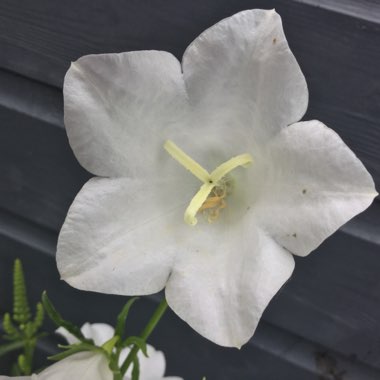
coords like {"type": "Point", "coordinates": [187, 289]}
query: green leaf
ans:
{"type": "Point", "coordinates": [122, 317]}
{"type": "Point", "coordinates": [39, 317]}
{"type": "Point", "coordinates": [29, 330]}
{"type": "Point", "coordinates": [136, 369]}
{"type": "Point", "coordinates": [73, 349]}
{"type": "Point", "coordinates": [16, 371]}
{"type": "Point", "coordinates": [110, 344]}
{"type": "Point", "coordinates": [137, 341]}
{"type": "Point", "coordinates": [9, 347]}
{"type": "Point", "coordinates": [22, 363]}
{"type": "Point", "coordinates": [9, 327]}
{"type": "Point", "coordinates": [58, 320]}
{"type": "Point", "coordinates": [21, 310]}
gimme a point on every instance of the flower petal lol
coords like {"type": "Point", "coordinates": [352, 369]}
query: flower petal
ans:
{"type": "Point", "coordinates": [312, 184]}
{"type": "Point", "coordinates": [116, 237]}
{"type": "Point", "coordinates": [153, 366]}
{"type": "Point", "coordinates": [99, 332]}
{"type": "Point", "coordinates": [222, 290]}
{"type": "Point", "coordinates": [241, 75]}
{"type": "Point", "coordinates": [83, 365]}
{"type": "Point", "coordinates": [116, 103]}
{"type": "Point", "coordinates": [70, 338]}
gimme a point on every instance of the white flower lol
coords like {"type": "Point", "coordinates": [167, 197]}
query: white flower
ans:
{"type": "Point", "coordinates": [131, 117]}
{"type": "Point", "coordinates": [83, 366]}
{"type": "Point", "coordinates": [94, 365]}
{"type": "Point", "coordinates": [151, 367]}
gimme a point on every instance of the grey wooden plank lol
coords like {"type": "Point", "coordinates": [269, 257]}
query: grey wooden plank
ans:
{"type": "Point", "coordinates": [332, 298]}
{"type": "Point", "coordinates": [365, 9]}
{"type": "Point", "coordinates": [272, 354]}
{"type": "Point", "coordinates": [31, 98]}
{"type": "Point", "coordinates": [39, 175]}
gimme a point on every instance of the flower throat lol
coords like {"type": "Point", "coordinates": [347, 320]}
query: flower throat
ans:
{"type": "Point", "coordinates": [211, 196]}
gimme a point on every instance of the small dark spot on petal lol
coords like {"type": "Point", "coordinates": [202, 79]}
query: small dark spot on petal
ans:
{"type": "Point", "coordinates": [274, 40]}
{"type": "Point", "coordinates": [294, 235]}
{"type": "Point", "coordinates": [248, 208]}
{"type": "Point", "coordinates": [210, 181]}
{"type": "Point", "coordinates": [304, 191]}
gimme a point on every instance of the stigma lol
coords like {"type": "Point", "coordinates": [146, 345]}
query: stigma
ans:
{"type": "Point", "coordinates": [211, 196]}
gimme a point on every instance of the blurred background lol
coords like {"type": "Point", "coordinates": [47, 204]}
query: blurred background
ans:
{"type": "Point", "coordinates": [325, 322]}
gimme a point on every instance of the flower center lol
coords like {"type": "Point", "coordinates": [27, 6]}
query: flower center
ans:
{"type": "Point", "coordinates": [211, 197]}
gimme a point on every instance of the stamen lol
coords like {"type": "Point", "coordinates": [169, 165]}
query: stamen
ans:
{"type": "Point", "coordinates": [196, 203]}
{"type": "Point", "coordinates": [242, 160]}
{"type": "Point", "coordinates": [186, 161]}
{"type": "Point", "coordinates": [201, 200]}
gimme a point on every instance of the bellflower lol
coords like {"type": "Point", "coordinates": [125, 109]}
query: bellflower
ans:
{"type": "Point", "coordinates": [94, 365]}
{"type": "Point", "coordinates": [83, 365]}
{"type": "Point", "coordinates": [151, 367]}
{"type": "Point", "coordinates": [206, 183]}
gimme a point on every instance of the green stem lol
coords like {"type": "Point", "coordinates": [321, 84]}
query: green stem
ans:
{"type": "Point", "coordinates": [115, 366]}
{"type": "Point", "coordinates": [157, 315]}
{"type": "Point", "coordinates": [117, 376]}
{"type": "Point", "coordinates": [29, 348]}
{"type": "Point", "coordinates": [12, 346]}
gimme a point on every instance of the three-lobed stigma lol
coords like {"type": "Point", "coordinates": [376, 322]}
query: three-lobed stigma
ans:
{"type": "Point", "coordinates": [211, 197]}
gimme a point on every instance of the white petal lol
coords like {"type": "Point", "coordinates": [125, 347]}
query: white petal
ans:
{"type": "Point", "coordinates": [70, 338]}
{"type": "Point", "coordinates": [222, 288]}
{"type": "Point", "coordinates": [83, 366]}
{"type": "Point", "coordinates": [241, 76]}
{"type": "Point", "coordinates": [153, 366]}
{"type": "Point", "coordinates": [312, 184]}
{"type": "Point", "coordinates": [123, 355]}
{"type": "Point", "coordinates": [99, 332]}
{"type": "Point", "coordinates": [118, 106]}
{"type": "Point", "coordinates": [116, 237]}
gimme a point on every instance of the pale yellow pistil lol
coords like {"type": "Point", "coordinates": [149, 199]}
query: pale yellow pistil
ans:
{"type": "Point", "coordinates": [211, 195]}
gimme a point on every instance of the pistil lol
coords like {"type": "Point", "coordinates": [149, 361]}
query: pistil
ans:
{"type": "Point", "coordinates": [214, 180]}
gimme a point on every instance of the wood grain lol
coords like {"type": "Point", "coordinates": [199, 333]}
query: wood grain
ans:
{"type": "Point", "coordinates": [364, 9]}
